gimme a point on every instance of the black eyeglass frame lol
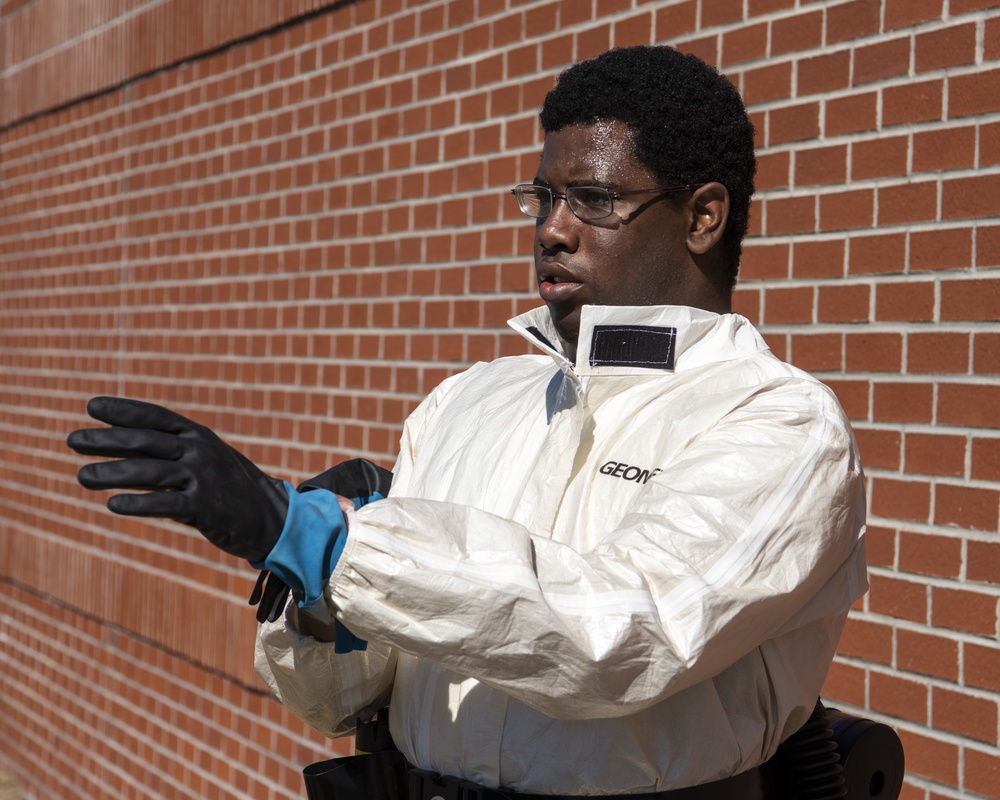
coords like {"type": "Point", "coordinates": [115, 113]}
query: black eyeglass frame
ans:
{"type": "Point", "coordinates": [518, 192]}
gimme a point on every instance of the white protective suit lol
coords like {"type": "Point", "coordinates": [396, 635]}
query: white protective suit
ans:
{"type": "Point", "coordinates": [597, 579]}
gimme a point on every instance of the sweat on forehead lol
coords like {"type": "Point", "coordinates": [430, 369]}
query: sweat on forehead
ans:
{"type": "Point", "coordinates": [600, 152]}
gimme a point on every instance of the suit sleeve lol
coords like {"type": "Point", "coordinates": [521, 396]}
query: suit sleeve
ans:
{"type": "Point", "coordinates": [327, 690]}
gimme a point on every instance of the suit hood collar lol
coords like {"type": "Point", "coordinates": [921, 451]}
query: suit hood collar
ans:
{"type": "Point", "coordinates": [637, 340]}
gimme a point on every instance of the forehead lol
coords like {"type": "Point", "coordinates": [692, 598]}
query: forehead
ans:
{"type": "Point", "coordinates": [602, 153]}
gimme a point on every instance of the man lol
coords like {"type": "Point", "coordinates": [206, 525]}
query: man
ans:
{"type": "Point", "coordinates": [618, 567]}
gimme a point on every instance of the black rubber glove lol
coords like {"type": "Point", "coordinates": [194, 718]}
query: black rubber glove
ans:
{"type": "Point", "coordinates": [360, 481]}
{"type": "Point", "coordinates": [190, 475]}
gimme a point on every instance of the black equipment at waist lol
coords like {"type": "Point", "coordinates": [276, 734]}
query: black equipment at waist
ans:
{"type": "Point", "coordinates": [429, 786]}
{"type": "Point", "coordinates": [387, 776]}
{"type": "Point", "coordinates": [834, 755]}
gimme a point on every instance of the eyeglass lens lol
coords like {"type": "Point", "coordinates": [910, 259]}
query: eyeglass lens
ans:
{"type": "Point", "coordinates": [587, 202]}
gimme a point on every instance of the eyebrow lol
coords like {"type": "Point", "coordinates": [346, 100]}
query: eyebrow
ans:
{"type": "Point", "coordinates": [593, 182]}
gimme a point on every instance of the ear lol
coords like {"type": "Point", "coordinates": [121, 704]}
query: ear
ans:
{"type": "Point", "coordinates": [709, 212]}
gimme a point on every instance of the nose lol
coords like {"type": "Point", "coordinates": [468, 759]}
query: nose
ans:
{"type": "Point", "coordinates": [560, 229]}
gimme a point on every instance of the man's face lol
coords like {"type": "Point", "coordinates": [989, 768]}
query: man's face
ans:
{"type": "Point", "coordinates": [618, 260]}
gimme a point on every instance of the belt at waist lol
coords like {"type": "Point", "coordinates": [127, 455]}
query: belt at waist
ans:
{"type": "Point", "coordinates": [423, 785]}
{"type": "Point", "coordinates": [387, 776]}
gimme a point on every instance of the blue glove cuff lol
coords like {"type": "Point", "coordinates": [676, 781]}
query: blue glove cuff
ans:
{"type": "Point", "coordinates": [361, 502]}
{"type": "Point", "coordinates": [310, 544]}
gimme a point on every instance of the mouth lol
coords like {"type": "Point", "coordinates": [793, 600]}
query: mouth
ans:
{"type": "Point", "coordinates": [555, 289]}
{"type": "Point", "coordinates": [556, 283]}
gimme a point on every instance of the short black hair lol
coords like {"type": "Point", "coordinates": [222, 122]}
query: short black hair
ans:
{"type": "Point", "coordinates": [689, 122]}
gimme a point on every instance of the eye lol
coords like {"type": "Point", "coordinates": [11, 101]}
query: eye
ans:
{"type": "Point", "coordinates": [592, 197]}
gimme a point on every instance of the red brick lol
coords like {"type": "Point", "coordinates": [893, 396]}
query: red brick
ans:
{"type": "Point", "coordinates": [976, 299]}
{"type": "Point", "coordinates": [793, 123]}
{"type": "Point", "coordinates": [899, 697]}
{"type": "Point", "coordinates": [705, 48]}
{"type": "Point", "coordinates": [674, 20]}
{"type": "Point", "coordinates": [773, 170]}
{"type": "Point", "coordinates": [880, 449]}
{"type": "Point", "coordinates": [941, 249]}
{"type": "Point", "coordinates": [907, 202]}
{"type": "Point", "coordinates": [986, 459]}
{"type": "Point", "coordinates": [764, 261]}
{"type": "Point", "coordinates": [817, 352]}
{"type": "Point", "coordinates": [982, 666]}
{"type": "Point", "coordinates": [927, 654]}
{"type": "Point", "coordinates": [844, 210]}
{"type": "Point", "coordinates": [633, 30]}
{"type": "Point", "coordinates": [946, 47]}
{"type": "Point", "coordinates": [844, 684]}
{"type": "Point", "coordinates": [929, 554]}
{"type": "Point", "coordinates": [937, 352]}
{"type": "Point", "coordinates": [853, 396]}
{"type": "Point", "coordinates": [965, 715]}
{"type": "Point", "coordinates": [823, 73]}
{"type": "Point", "coordinates": [898, 598]}
{"type": "Point", "coordinates": [758, 8]}
{"type": "Point", "coordinates": [963, 610]}
{"type": "Point", "coordinates": [901, 499]}
{"type": "Point", "coordinates": [843, 303]}
{"type": "Point", "coordinates": [987, 246]}
{"type": "Point", "coordinates": [788, 306]}
{"type": "Point", "coordinates": [779, 345]}
{"type": "Point", "coordinates": [880, 543]}
{"type": "Point", "coordinates": [871, 641]}
{"type": "Point", "coordinates": [930, 757]}
{"type": "Point", "coordinates": [796, 32]}
{"type": "Point", "coordinates": [883, 252]}
{"type": "Point", "coordinates": [975, 405]}
{"type": "Point", "coordinates": [853, 113]}
{"type": "Point", "coordinates": [991, 39]}
{"type": "Point", "coordinates": [818, 258]}
{"type": "Point", "coordinates": [881, 60]}
{"type": "Point", "coordinates": [853, 20]}
{"type": "Point", "coordinates": [902, 13]}
{"type": "Point", "coordinates": [913, 102]}
{"type": "Point", "coordinates": [821, 165]}
{"type": "Point", "coordinates": [747, 302]}
{"type": "Point", "coordinates": [874, 352]}
{"type": "Point", "coordinates": [945, 148]}
{"type": "Point", "coordinates": [989, 144]}
{"type": "Point", "coordinates": [593, 41]}
{"type": "Point", "coordinates": [790, 215]}
{"type": "Point", "coordinates": [984, 562]}
{"type": "Point", "coordinates": [961, 198]}
{"type": "Point", "coordinates": [878, 158]}
{"type": "Point", "coordinates": [967, 507]}
{"type": "Point", "coordinates": [977, 93]}
{"type": "Point", "coordinates": [903, 402]}
{"type": "Point", "coordinates": [744, 43]}
{"type": "Point", "coordinates": [981, 773]}
{"type": "Point", "coordinates": [720, 12]}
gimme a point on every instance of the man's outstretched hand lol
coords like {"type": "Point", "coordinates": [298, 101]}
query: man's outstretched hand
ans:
{"type": "Point", "coordinates": [187, 473]}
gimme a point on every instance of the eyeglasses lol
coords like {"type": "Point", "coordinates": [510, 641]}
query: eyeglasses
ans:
{"type": "Point", "coordinates": [589, 203]}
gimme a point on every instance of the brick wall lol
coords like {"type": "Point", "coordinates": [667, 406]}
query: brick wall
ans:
{"type": "Point", "coordinates": [290, 220]}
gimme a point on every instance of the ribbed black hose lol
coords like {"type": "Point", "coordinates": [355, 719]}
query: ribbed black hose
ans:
{"type": "Point", "coordinates": [813, 761]}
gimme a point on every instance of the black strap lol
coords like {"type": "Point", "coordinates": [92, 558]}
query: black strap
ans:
{"type": "Point", "coordinates": [372, 776]}
{"type": "Point", "coordinates": [425, 785]}
{"type": "Point", "coordinates": [745, 786]}
{"type": "Point", "coordinates": [387, 776]}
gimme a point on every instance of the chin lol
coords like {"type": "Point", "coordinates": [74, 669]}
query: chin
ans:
{"type": "Point", "coordinates": [566, 322]}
